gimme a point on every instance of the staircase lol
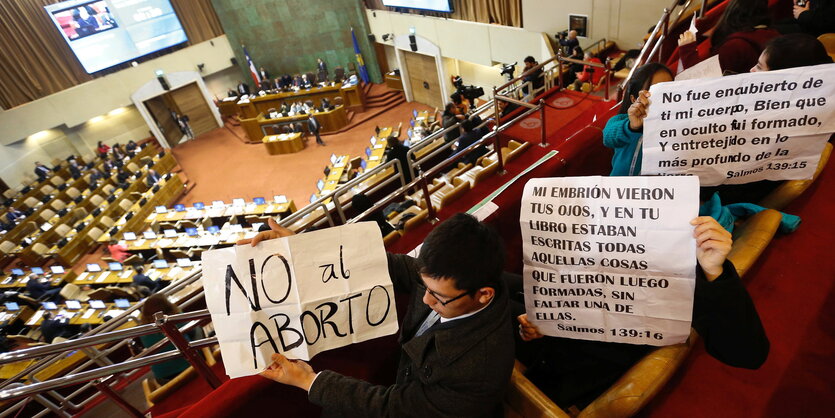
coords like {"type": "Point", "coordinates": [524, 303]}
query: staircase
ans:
{"type": "Point", "coordinates": [378, 99]}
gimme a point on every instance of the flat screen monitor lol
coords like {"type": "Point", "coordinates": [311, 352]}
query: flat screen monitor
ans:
{"type": "Point", "coordinates": [313, 198]}
{"type": "Point", "coordinates": [443, 6]}
{"type": "Point", "coordinates": [105, 33]}
{"type": "Point", "coordinates": [12, 306]}
{"type": "Point", "coordinates": [280, 198]}
{"type": "Point", "coordinates": [367, 152]}
{"type": "Point", "coordinates": [199, 205]}
{"type": "Point", "coordinates": [121, 303]}
{"type": "Point", "coordinates": [179, 208]}
{"type": "Point", "coordinates": [149, 235]}
{"type": "Point", "coordinates": [50, 306]}
{"type": "Point", "coordinates": [114, 266]}
{"type": "Point", "coordinates": [363, 163]}
{"type": "Point", "coordinates": [73, 304]}
{"type": "Point", "coordinates": [192, 232]}
{"type": "Point", "coordinates": [170, 233]}
{"type": "Point", "coordinates": [333, 159]}
{"type": "Point", "coordinates": [160, 209]}
{"type": "Point", "coordinates": [257, 226]}
{"type": "Point", "coordinates": [129, 236]}
{"type": "Point", "coordinates": [214, 229]}
{"type": "Point", "coordinates": [184, 262]}
{"type": "Point", "coordinates": [236, 228]}
{"type": "Point", "coordinates": [17, 272]}
{"type": "Point", "coordinates": [160, 264]}
{"type": "Point", "coordinates": [95, 304]}
{"type": "Point", "coordinates": [238, 202]}
{"type": "Point", "coordinates": [260, 201]}
{"type": "Point", "coordinates": [218, 203]}
{"type": "Point", "coordinates": [373, 140]}
{"type": "Point", "coordinates": [320, 185]}
{"type": "Point", "coordinates": [93, 268]}
{"type": "Point", "coordinates": [36, 270]}
{"type": "Point", "coordinates": [57, 269]}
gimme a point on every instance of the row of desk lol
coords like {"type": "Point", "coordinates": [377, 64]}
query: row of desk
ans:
{"type": "Point", "coordinates": [257, 127]}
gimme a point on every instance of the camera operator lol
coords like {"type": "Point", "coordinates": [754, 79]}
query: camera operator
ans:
{"type": "Point", "coordinates": [568, 40]}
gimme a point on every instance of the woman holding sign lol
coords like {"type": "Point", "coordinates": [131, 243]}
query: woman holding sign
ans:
{"type": "Point", "coordinates": [623, 132]}
{"type": "Point", "coordinates": [574, 372]}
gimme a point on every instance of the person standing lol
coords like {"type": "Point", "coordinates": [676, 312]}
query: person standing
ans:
{"type": "Point", "coordinates": [313, 126]}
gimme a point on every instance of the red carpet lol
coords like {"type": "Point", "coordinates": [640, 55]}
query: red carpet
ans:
{"type": "Point", "coordinates": [792, 286]}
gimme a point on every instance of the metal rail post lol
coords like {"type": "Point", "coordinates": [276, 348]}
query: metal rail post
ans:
{"type": "Point", "coordinates": [103, 387]}
{"type": "Point", "coordinates": [192, 355]}
{"type": "Point", "coordinates": [543, 141]}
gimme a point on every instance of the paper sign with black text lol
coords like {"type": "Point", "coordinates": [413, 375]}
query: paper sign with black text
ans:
{"type": "Point", "coordinates": [610, 258]}
{"type": "Point", "coordinates": [298, 295]}
{"type": "Point", "coordinates": [742, 128]}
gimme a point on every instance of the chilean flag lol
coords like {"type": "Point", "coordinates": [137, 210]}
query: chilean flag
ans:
{"type": "Point", "coordinates": [252, 70]}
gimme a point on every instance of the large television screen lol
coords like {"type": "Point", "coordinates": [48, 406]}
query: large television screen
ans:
{"type": "Point", "coordinates": [433, 5]}
{"type": "Point", "coordinates": [104, 33]}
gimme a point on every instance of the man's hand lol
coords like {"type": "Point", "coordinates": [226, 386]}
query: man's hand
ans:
{"type": "Point", "coordinates": [290, 372]}
{"type": "Point", "coordinates": [527, 330]}
{"type": "Point", "coordinates": [687, 37]}
{"type": "Point", "coordinates": [276, 231]}
{"type": "Point", "coordinates": [638, 110]}
{"type": "Point", "coordinates": [797, 10]}
{"type": "Point", "coordinates": [713, 243]}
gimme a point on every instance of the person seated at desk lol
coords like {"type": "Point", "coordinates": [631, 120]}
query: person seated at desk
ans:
{"type": "Point", "coordinates": [95, 175]}
{"type": "Point", "coordinates": [107, 166]}
{"type": "Point", "coordinates": [140, 279]}
{"type": "Point", "coordinates": [75, 170]}
{"type": "Point", "coordinates": [38, 287]}
{"type": "Point", "coordinates": [56, 326]}
{"type": "Point", "coordinates": [297, 128]}
{"type": "Point", "coordinates": [297, 81]}
{"type": "Point", "coordinates": [266, 85]}
{"type": "Point", "coordinates": [286, 81]}
{"type": "Point", "coordinates": [243, 88]}
{"type": "Point", "coordinates": [284, 109]}
{"type": "Point", "coordinates": [117, 152]}
{"type": "Point", "coordinates": [152, 178]}
{"type": "Point", "coordinates": [14, 216]}
{"type": "Point", "coordinates": [306, 84]}
{"type": "Point", "coordinates": [116, 251]}
{"type": "Point", "coordinates": [102, 149]}
{"type": "Point", "coordinates": [131, 147]}
{"type": "Point", "coordinates": [41, 171]}
{"type": "Point", "coordinates": [231, 92]}
{"type": "Point", "coordinates": [456, 338]}
{"type": "Point", "coordinates": [165, 371]}
{"type": "Point", "coordinates": [117, 163]}
{"type": "Point", "coordinates": [122, 177]}
{"type": "Point", "coordinates": [326, 105]}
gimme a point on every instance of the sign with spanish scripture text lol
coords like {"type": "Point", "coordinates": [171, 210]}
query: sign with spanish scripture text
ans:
{"type": "Point", "coordinates": [610, 258]}
{"type": "Point", "coordinates": [298, 295]}
{"type": "Point", "coordinates": [742, 128]}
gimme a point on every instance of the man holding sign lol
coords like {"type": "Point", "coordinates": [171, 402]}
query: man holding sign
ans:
{"type": "Point", "coordinates": [456, 338]}
{"type": "Point", "coordinates": [613, 263]}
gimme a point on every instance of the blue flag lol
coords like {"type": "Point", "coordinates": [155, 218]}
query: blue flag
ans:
{"type": "Point", "coordinates": [362, 69]}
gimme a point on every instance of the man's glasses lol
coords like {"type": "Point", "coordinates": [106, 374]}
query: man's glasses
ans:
{"type": "Point", "coordinates": [422, 287]}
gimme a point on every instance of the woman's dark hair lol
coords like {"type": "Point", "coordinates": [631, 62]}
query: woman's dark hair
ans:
{"type": "Point", "coordinates": [464, 250]}
{"type": "Point", "coordinates": [794, 50]}
{"type": "Point", "coordinates": [157, 303]}
{"type": "Point", "coordinates": [448, 108]}
{"type": "Point", "coordinates": [640, 81]}
{"type": "Point", "coordinates": [740, 15]}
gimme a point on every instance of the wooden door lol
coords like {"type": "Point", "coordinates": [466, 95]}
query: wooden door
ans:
{"type": "Point", "coordinates": [162, 116]}
{"type": "Point", "coordinates": [423, 77]}
{"type": "Point", "coordinates": [380, 50]}
{"type": "Point", "coordinates": [190, 101]}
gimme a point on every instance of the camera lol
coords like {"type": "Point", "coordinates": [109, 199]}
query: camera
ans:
{"type": "Point", "coordinates": [508, 70]}
{"type": "Point", "coordinates": [469, 92]}
{"type": "Point", "coordinates": [562, 34]}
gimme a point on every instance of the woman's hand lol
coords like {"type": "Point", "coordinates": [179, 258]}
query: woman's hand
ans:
{"type": "Point", "coordinates": [686, 37]}
{"type": "Point", "coordinates": [638, 111]}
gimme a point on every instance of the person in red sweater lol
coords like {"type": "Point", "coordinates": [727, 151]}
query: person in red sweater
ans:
{"type": "Point", "coordinates": [738, 38]}
{"type": "Point", "coordinates": [102, 148]}
{"type": "Point", "coordinates": [116, 251]}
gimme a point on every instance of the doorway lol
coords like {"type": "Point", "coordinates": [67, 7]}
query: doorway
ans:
{"type": "Point", "coordinates": [422, 72]}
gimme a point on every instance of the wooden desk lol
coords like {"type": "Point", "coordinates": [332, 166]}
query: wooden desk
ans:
{"type": "Point", "coordinates": [394, 82]}
{"type": "Point", "coordinates": [125, 276]}
{"type": "Point", "coordinates": [330, 121]}
{"type": "Point", "coordinates": [225, 211]}
{"type": "Point", "coordinates": [228, 108]}
{"type": "Point", "coordinates": [168, 193]}
{"type": "Point", "coordinates": [283, 143]}
{"type": "Point", "coordinates": [203, 239]}
{"type": "Point", "coordinates": [55, 280]}
{"type": "Point", "coordinates": [260, 104]}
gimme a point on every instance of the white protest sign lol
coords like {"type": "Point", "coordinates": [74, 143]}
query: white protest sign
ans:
{"type": "Point", "coordinates": [610, 258]}
{"type": "Point", "coordinates": [742, 128]}
{"type": "Point", "coordinates": [708, 68]}
{"type": "Point", "coordinates": [298, 295]}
